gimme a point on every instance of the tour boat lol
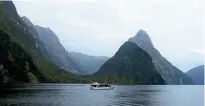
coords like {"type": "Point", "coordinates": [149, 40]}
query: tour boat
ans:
{"type": "Point", "coordinates": [97, 86]}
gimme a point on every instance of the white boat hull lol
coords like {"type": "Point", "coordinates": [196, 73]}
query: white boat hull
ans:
{"type": "Point", "coordinates": [102, 88]}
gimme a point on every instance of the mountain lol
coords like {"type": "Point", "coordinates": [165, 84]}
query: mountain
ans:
{"type": "Point", "coordinates": [15, 64]}
{"type": "Point", "coordinates": [56, 52]}
{"type": "Point", "coordinates": [51, 48]}
{"type": "Point", "coordinates": [197, 75]}
{"type": "Point", "coordinates": [130, 65]}
{"type": "Point", "coordinates": [13, 33]}
{"type": "Point", "coordinates": [170, 73]}
{"type": "Point", "coordinates": [90, 64]}
{"type": "Point", "coordinates": [27, 38]}
{"type": "Point", "coordinates": [78, 63]}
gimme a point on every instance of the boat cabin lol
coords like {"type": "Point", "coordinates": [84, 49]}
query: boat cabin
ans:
{"type": "Point", "coordinates": [95, 84]}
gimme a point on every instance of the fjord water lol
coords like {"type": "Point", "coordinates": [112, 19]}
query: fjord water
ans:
{"type": "Point", "coordinates": [81, 95]}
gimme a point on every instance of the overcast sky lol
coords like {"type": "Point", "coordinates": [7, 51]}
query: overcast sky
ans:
{"type": "Point", "coordinates": [99, 28]}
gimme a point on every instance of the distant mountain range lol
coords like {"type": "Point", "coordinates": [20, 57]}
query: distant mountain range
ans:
{"type": "Point", "coordinates": [31, 53]}
{"type": "Point", "coordinates": [90, 64]}
{"type": "Point", "coordinates": [197, 75]}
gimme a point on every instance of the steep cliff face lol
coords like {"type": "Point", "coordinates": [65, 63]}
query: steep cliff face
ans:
{"type": "Point", "coordinates": [51, 48]}
{"type": "Point", "coordinates": [56, 52]}
{"type": "Point", "coordinates": [11, 23]}
{"type": "Point", "coordinates": [16, 41]}
{"type": "Point", "coordinates": [130, 65]}
{"type": "Point", "coordinates": [27, 38]}
{"type": "Point", "coordinates": [170, 73]}
{"type": "Point", "coordinates": [16, 64]}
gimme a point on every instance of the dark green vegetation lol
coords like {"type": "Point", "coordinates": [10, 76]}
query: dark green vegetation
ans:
{"type": "Point", "coordinates": [18, 63]}
{"type": "Point", "coordinates": [22, 34]}
{"type": "Point", "coordinates": [197, 75]}
{"type": "Point", "coordinates": [130, 65]}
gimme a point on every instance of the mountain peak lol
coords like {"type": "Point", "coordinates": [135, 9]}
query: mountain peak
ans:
{"type": "Point", "coordinates": [130, 65]}
{"type": "Point", "coordinates": [141, 32]}
{"type": "Point", "coordinates": [9, 8]}
{"type": "Point", "coordinates": [142, 39]}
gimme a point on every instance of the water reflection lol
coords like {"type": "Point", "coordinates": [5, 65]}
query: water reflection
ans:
{"type": "Point", "coordinates": [135, 95]}
{"type": "Point", "coordinates": [81, 95]}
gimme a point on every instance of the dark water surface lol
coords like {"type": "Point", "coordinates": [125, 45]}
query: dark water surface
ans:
{"type": "Point", "coordinates": [81, 95]}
